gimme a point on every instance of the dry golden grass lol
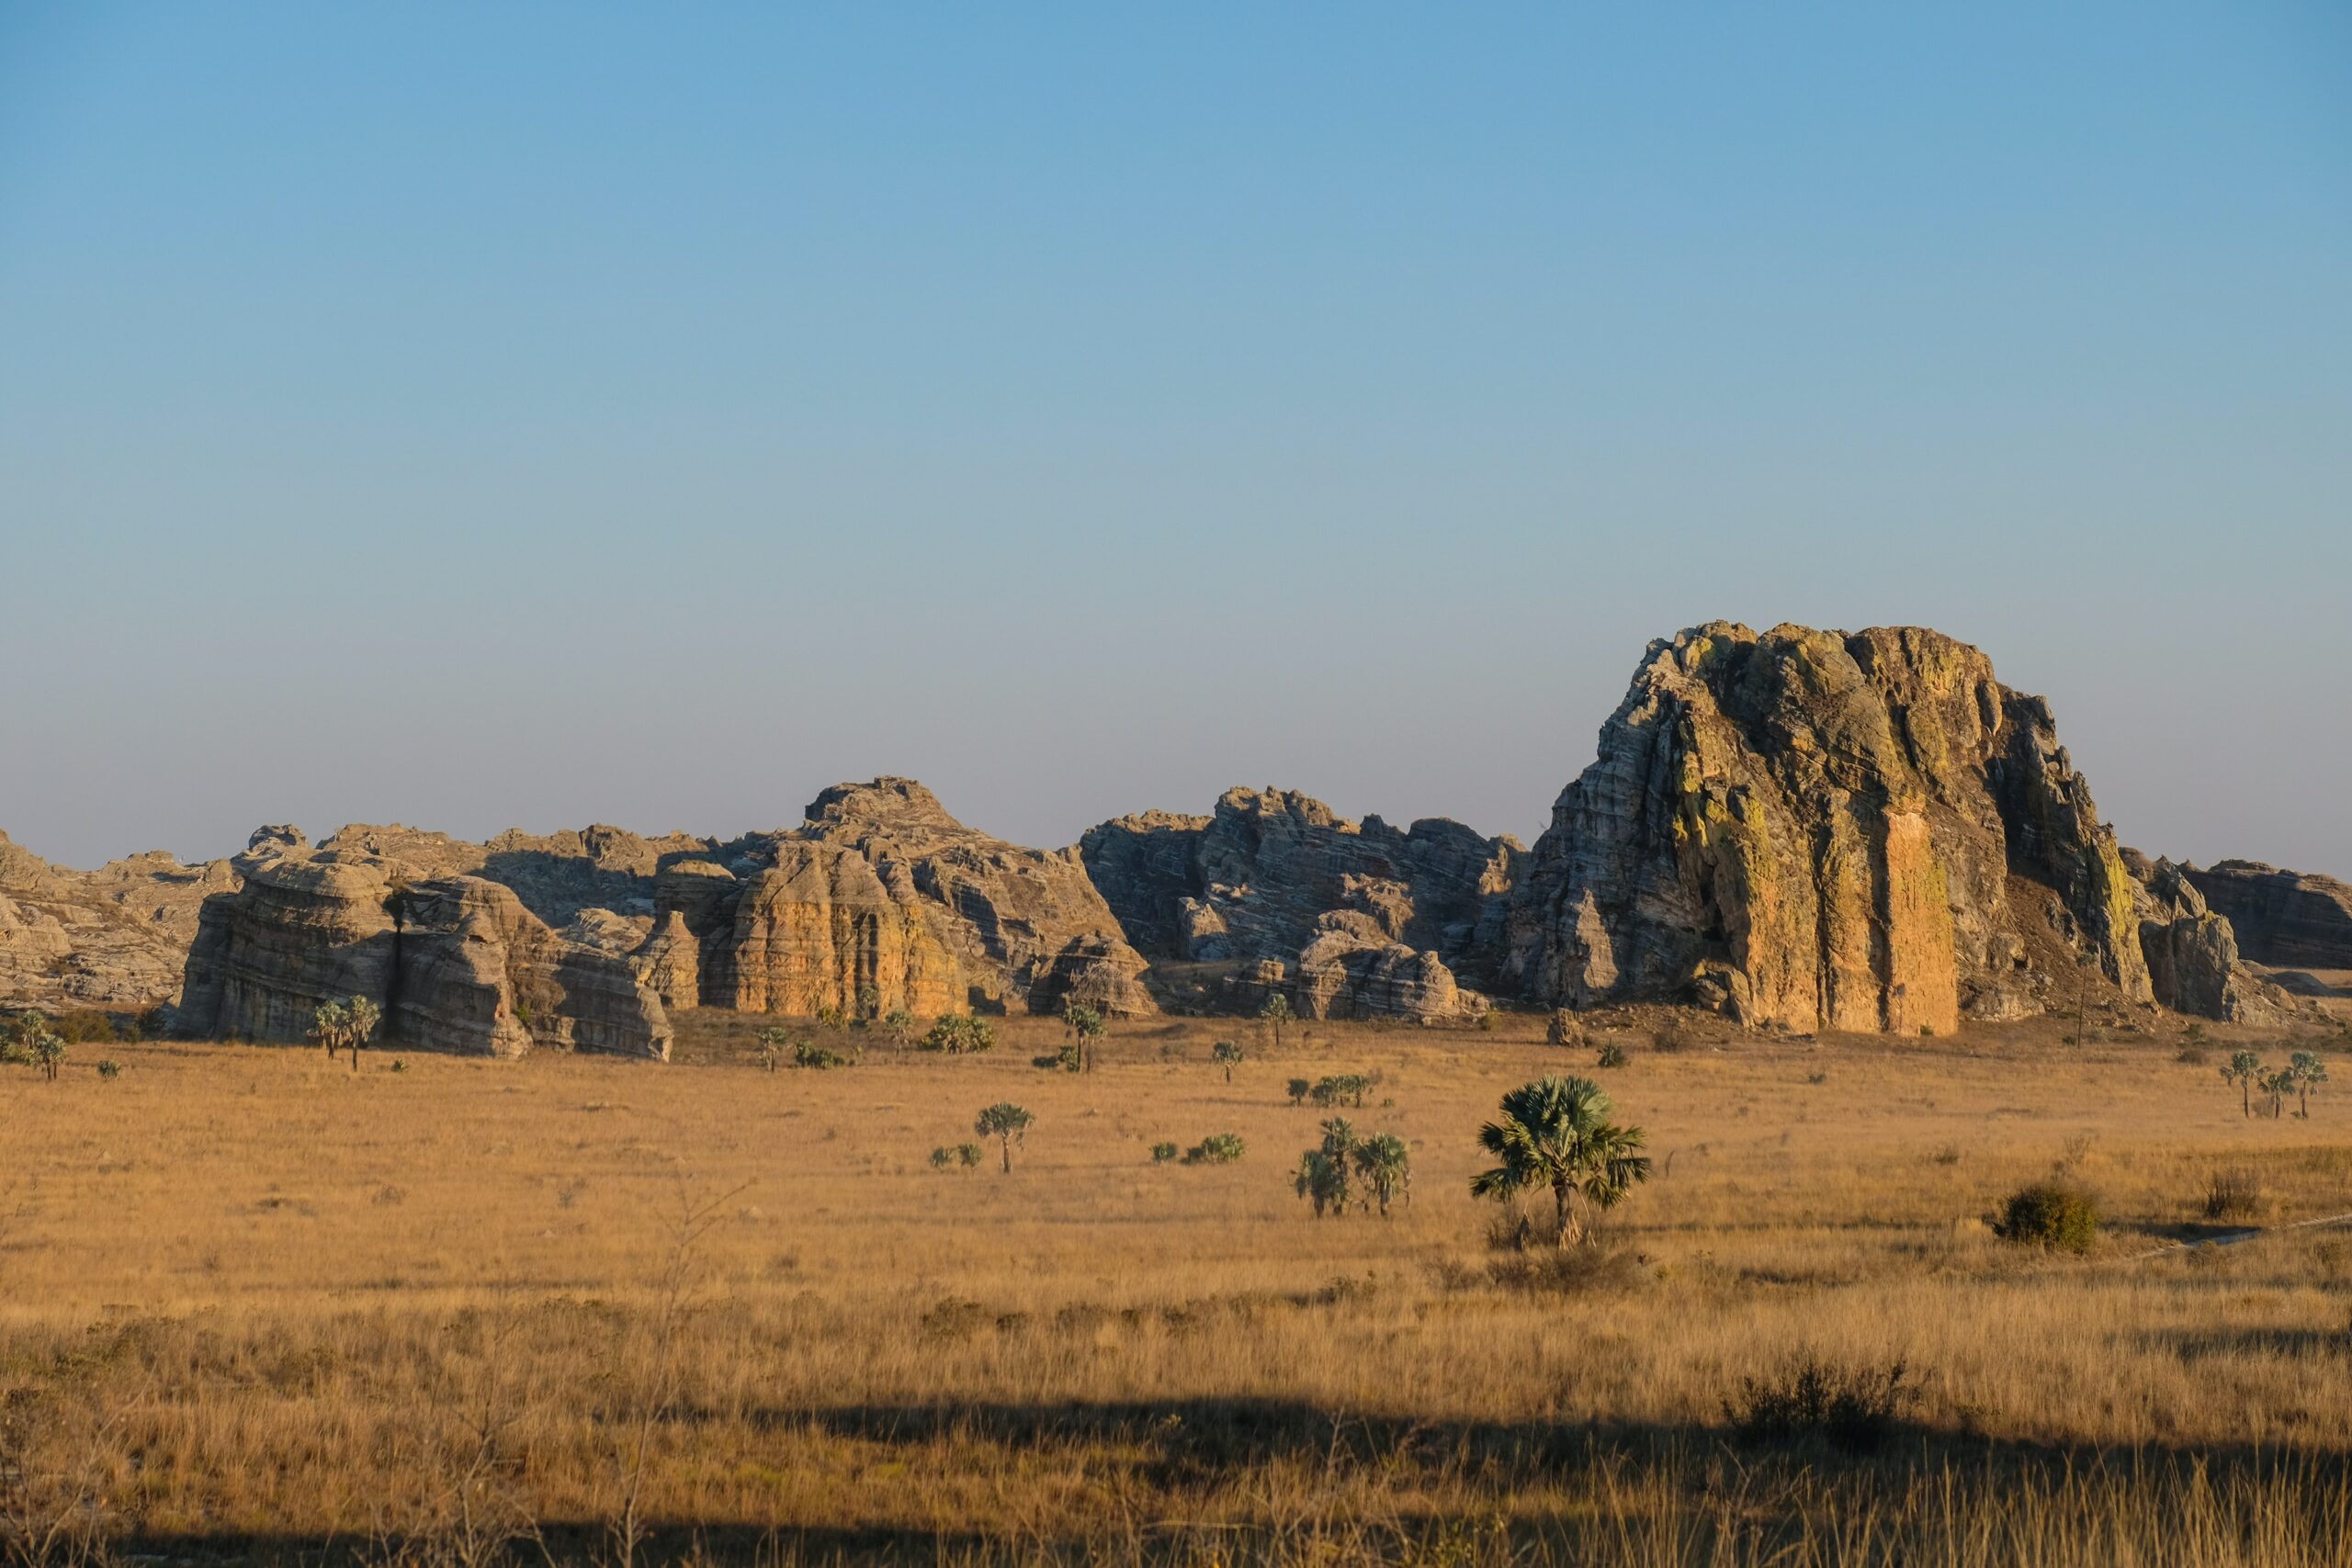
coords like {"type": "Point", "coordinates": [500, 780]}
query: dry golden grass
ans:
{"type": "Point", "coordinates": [249, 1297]}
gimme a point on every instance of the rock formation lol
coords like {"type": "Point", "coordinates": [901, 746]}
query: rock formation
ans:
{"type": "Point", "coordinates": [588, 940]}
{"type": "Point", "coordinates": [1815, 830]}
{"type": "Point", "coordinates": [1370, 921]}
{"type": "Point", "coordinates": [2192, 952]}
{"type": "Point", "coordinates": [112, 938]}
{"type": "Point", "coordinates": [2283, 917]}
{"type": "Point", "coordinates": [883, 900]}
{"type": "Point", "coordinates": [456, 961]}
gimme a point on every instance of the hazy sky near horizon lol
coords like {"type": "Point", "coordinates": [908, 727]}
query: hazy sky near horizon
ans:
{"type": "Point", "coordinates": [486, 416]}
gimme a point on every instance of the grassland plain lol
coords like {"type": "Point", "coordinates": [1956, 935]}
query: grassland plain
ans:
{"type": "Point", "coordinates": [256, 1305]}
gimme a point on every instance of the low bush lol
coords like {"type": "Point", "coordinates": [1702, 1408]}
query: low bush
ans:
{"type": "Point", "coordinates": [2050, 1214]}
{"type": "Point", "coordinates": [110, 1069]}
{"type": "Point", "coordinates": [1854, 1410]}
{"type": "Point", "coordinates": [1612, 1055]}
{"type": "Point", "coordinates": [2235, 1193]}
{"type": "Point", "coordinates": [1218, 1148]}
{"type": "Point", "coordinates": [1571, 1271]}
{"type": "Point", "coordinates": [1162, 1153]}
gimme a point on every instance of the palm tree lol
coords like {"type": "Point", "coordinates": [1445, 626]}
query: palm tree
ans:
{"type": "Point", "coordinates": [2242, 1070]}
{"type": "Point", "coordinates": [1004, 1121]}
{"type": "Point", "coordinates": [1322, 1181]}
{"type": "Point", "coordinates": [327, 1026]}
{"type": "Point", "coordinates": [1274, 1014]}
{"type": "Point", "coordinates": [1086, 1023]}
{"type": "Point", "coordinates": [2309, 1072]}
{"type": "Point", "coordinates": [360, 1019]}
{"type": "Point", "coordinates": [1555, 1133]}
{"type": "Point", "coordinates": [2278, 1085]}
{"type": "Point", "coordinates": [901, 1025]}
{"type": "Point", "coordinates": [1228, 1054]}
{"type": "Point", "coordinates": [47, 1052]}
{"type": "Point", "coordinates": [1386, 1167]}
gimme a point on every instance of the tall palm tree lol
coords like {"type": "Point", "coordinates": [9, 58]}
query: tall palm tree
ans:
{"type": "Point", "coordinates": [2242, 1070]}
{"type": "Point", "coordinates": [1555, 1133]}
{"type": "Point", "coordinates": [2307, 1070]}
{"type": "Point", "coordinates": [1386, 1167]}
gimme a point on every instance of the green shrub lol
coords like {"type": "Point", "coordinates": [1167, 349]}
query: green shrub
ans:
{"type": "Point", "coordinates": [1611, 1056]}
{"type": "Point", "coordinates": [1218, 1148]}
{"type": "Point", "coordinates": [1298, 1089]}
{"type": "Point", "coordinates": [960, 1034]}
{"type": "Point", "coordinates": [1162, 1153]}
{"type": "Point", "coordinates": [110, 1069]}
{"type": "Point", "coordinates": [2050, 1214]}
{"type": "Point", "coordinates": [86, 1026]}
{"type": "Point", "coordinates": [1070, 1058]}
{"type": "Point", "coordinates": [807, 1054]}
{"type": "Point", "coordinates": [968, 1154]}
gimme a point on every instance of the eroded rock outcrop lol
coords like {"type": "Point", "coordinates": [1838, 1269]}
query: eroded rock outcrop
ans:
{"type": "Point", "coordinates": [116, 937]}
{"type": "Point", "coordinates": [881, 899]}
{"type": "Point", "coordinates": [456, 961]}
{"type": "Point", "coordinates": [1818, 829]}
{"type": "Point", "coordinates": [2192, 953]}
{"type": "Point", "coordinates": [1371, 921]}
{"type": "Point", "coordinates": [2283, 917]}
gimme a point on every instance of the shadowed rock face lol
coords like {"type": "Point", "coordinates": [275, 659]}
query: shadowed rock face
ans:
{"type": "Point", "coordinates": [456, 962]}
{"type": "Point", "coordinates": [2192, 952]}
{"type": "Point", "coordinates": [1372, 921]}
{"type": "Point", "coordinates": [1820, 830]}
{"type": "Point", "coordinates": [2281, 917]}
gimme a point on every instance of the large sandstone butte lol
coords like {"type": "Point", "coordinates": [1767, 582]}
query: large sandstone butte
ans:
{"type": "Point", "coordinates": [586, 941]}
{"type": "Point", "coordinates": [2281, 917]}
{"type": "Point", "coordinates": [1358, 919]}
{"type": "Point", "coordinates": [882, 900]}
{"type": "Point", "coordinates": [456, 961]}
{"type": "Point", "coordinates": [1865, 831]}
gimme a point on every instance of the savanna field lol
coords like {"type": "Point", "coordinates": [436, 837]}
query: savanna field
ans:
{"type": "Point", "coordinates": [258, 1306]}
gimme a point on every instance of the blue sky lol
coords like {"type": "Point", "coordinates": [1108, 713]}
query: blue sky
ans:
{"type": "Point", "coordinates": [488, 416]}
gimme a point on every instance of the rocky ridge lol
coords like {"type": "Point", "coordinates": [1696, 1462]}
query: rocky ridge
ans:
{"type": "Point", "coordinates": [1358, 919]}
{"type": "Point", "coordinates": [1803, 830]}
{"type": "Point", "coordinates": [116, 937]}
{"type": "Point", "coordinates": [586, 941]}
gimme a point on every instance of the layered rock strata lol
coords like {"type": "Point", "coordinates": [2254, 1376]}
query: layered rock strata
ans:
{"type": "Point", "coordinates": [455, 962]}
{"type": "Point", "coordinates": [2284, 918]}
